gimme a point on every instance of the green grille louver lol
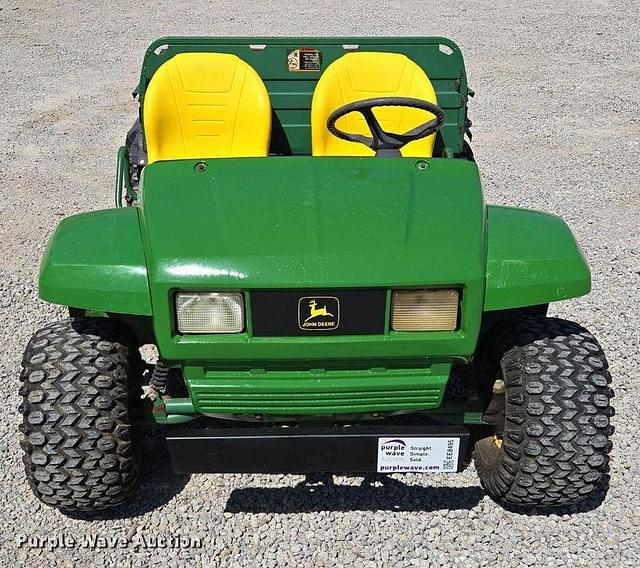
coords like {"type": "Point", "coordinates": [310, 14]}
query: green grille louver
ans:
{"type": "Point", "coordinates": [316, 391]}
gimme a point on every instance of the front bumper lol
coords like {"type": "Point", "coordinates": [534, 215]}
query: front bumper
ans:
{"type": "Point", "coordinates": [313, 449]}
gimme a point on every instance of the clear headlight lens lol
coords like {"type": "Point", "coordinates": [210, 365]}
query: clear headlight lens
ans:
{"type": "Point", "coordinates": [209, 312]}
{"type": "Point", "coordinates": [424, 310]}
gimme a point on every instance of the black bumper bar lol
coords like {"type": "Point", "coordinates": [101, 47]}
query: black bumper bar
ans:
{"type": "Point", "coordinates": [300, 449]}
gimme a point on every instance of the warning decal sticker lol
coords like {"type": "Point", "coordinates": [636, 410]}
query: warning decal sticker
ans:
{"type": "Point", "coordinates": [304, 59]}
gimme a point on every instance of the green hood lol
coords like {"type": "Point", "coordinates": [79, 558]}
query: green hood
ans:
{"type": "Point", "coordinates": [312, 222]}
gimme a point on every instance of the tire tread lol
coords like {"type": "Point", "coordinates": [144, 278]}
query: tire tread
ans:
{"type": "Point", "coordinates": [80, 446]}
{"type": "Point", "coordinates": [556, 443]}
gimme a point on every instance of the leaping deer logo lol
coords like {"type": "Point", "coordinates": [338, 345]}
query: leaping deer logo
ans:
{"type": "Point", "coordinates": [315, 316]}
{"type": "Point", "coordinates": [317, 312]}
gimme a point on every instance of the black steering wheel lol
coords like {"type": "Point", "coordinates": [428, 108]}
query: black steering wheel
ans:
{"type": "Point", "coordinates": [386, 144]}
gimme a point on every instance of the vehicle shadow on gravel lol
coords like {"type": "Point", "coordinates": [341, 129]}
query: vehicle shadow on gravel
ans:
{"type": "Point", "coordinates": [380, 492]}
{"type": "Point", "coordinates": [375, 493]}
{"type": "Point", "coordinates": [158, 485]}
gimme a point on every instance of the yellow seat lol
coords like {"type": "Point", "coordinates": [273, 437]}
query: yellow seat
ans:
{"type": "Point", "coordinates": [365, 75]}
{"type": "Point", "coordinates": [206, 105]}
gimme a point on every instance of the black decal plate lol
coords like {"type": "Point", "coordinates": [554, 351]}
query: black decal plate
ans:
{"type": "Point", "coordinates": [318, 312]}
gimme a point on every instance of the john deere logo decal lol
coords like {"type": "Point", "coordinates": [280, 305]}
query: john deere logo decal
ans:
{"type": "Point", "coordinates": [318, 312]}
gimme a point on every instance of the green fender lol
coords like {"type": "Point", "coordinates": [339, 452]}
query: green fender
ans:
{"type": "Point", "coordinates": [96, 261]}
{"type": "Point", "coordinates": [532, 258]}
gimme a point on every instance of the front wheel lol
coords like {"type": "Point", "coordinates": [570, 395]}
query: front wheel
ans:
{"type": "Point", "coordinates": [79, 386]}
{"type": "Point", "coordinates": [551, 446]}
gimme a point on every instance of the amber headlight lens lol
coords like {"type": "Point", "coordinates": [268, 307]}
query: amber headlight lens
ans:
{"type": "Point", "coordinates": [209, 312]}
{"type": "Point", "coordinates": [424, 310]}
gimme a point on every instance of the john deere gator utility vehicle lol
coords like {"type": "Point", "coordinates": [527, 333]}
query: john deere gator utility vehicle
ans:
{"type": "Point", "coordinates": [300, 231]}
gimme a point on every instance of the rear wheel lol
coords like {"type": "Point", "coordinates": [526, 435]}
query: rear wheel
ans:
{"type": "Point", "coordinates": [551, 445]}
{"type": "Point", "coordinates": [79, 387]}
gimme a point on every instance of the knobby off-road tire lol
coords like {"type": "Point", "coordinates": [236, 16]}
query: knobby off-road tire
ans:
{"type": "Point", "coordinates": [79, 386]}
{"type": "Point", "coordinates": [555, 446]}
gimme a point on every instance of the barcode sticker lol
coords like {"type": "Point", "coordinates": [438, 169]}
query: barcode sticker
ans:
{"type": "Point", "coordinates": [425, 455]}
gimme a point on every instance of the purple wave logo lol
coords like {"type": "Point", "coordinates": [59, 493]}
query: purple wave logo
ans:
{"type": "Point", "coordinates": [393, 448]}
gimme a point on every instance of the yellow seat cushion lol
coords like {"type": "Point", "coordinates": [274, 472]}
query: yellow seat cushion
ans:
{"type": "Point", "coordinates": [206, 105]}
{"type": "Point", "coordinates": [365, 75]}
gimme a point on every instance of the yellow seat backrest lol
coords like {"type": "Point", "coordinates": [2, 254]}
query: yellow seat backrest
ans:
{"type": "Point", "coordinates": [206, 105]}
{"type": "Point", "coordinates": [365, 75]}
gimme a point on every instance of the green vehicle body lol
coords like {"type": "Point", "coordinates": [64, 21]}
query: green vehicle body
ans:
{"type": "Point", "coordinates": [296, 222]}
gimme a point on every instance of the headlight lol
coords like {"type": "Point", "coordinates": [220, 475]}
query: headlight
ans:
{"type": "Point", "coordinates": [209, 312]}
{"type": "Point", "coordinates": [424, 310]}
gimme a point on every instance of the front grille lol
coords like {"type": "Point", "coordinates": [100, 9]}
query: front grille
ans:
{"type": "Point", "coordinates": [319, 391]}
{"type": "Point", "coordinates": [318, 312]}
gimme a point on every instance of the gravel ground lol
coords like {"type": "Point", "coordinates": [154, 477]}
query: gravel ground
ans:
{"type": "Point", "coordinates": [556, 128]}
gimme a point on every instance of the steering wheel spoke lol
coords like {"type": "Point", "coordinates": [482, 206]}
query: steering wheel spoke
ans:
{"type": "Point", "coordinates": [374, 125]}
{"type": "Point", "coordinates": [382, 142]}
